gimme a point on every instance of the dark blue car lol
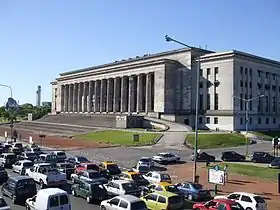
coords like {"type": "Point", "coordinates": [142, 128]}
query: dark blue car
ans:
{"type": "Point", "coordinates": [275, 163]}
{"type": "Point", "coordinates": [194, 191]}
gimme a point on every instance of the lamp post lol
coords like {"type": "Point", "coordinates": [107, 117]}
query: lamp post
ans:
{"type": "Point", "coordinates": [247, 116]}
{"type": "Point", "coordinates": [7, 86]}
{"type": "Point", "coordinates": [169, 39]}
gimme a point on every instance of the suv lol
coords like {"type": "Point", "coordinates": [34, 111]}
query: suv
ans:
{"type": "Point", "coordinates": [8, 159]}
{"type": "Point", "coordinates": [19, 188]}
{"type": "Point", "coordinates": [89, 190]}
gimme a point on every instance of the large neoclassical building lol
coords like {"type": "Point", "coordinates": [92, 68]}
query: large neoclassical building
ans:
{"type": "Point", "coordinates": [164, 86]}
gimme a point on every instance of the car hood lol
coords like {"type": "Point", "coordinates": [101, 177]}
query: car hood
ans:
{"type": "Point", "coordinates": [157, 156]}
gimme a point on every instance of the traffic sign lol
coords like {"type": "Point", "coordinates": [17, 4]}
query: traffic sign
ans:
{"type": "Point", "coordinates": [217, 168]}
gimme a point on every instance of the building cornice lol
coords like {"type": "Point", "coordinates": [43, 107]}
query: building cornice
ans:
{"type": "Point", "coordinates": [53, 83]}
{"type": "Point", "coordinates": [136, 59]}
{"type": "Point", "coordinates": [116, 69]}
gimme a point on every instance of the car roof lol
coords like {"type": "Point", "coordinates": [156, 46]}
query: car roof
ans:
{"type": "Point", "coordinates": [145, 158]}
{"type": "Point", "coordinates": [245, 193]}
{"type": "Point", "coordinates": [130, 172]}
{"type": "Point", "coordinates": [224, 200]}
{"type": "Point", "coordinates": [25, 161]}
{"type": "Point", "coordinates": [164, 184]}
{"type": "Point", "coordinates": [129, 198]}
{"type": "Point", "coordinates": [87, 163]}
{"type": "Point", "coordinates": [163, 153]}
{"type": "Point", "coordinates": [91, 171]}
{"type": "Point", "coordinates": [51, 191]}
{"type": "Point", "coordinates": [119, 181]}
{"type": "Point", "coordinates": [165, 193]}
{"type": "Point", "coordinates": [18, 178]}
{"type": "Point", "coordinates": [44, 164]}
{"type": "Point", "coordinates": [8, 153]}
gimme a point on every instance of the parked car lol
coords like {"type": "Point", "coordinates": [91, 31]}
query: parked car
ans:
{"type": "Point", "coordinates": [194, 191]}
{"type": "Point", "coordinates": [47, 158]}
{"type": "Point", "coordinates": [3, 175]}
{"type": "Point", "coordinates": [86, 166]}
{"type": "Point", "coordinates": [134, 176]}
{"type": "Point", "coordinates": [78, 160]}
{"type": "Point", "coordinates": [7, 159]}
{"type": "Point", "coordinates": [89, 175]}
{"type": "Point", "coordinates": [142, 169]}
{"type": "Point", "coordinates": [18, 145]}
{"type": "Point", "coordinates": [122, 187]}
{"type": "Point", "coordinates": [19, 188]}
{"type": "Point", "coordinates": [89, 190]}
{"type": "Point", "coordinates": [216, 204]}
{"type": "Point", "coordinates": [15, 150]}
{"type": "Point", "coordinates": [51, 199]}
{"type": "Point", "coordinates": [163, 200]}
{"type": "Point", "coordinates": [160, 187]}
{"type": "Point", "coordinates": [60, 155]}
{"type": "Point", "coordinates": [27, 156]}
{"type": "Point", "coordinates": [6, 147]}
{"type": "Point", "coordinates": [37, 150]}
{"type": "Point", "coordinates": [110, 168]}
{"type": "Point", "coordinates": [165, 158]}
{"type": "Point", "coordinates": [4, 205]}
{"type": "Point", "coordinates": [146, 161]}
{"type": "Point", "coordinates": [275, 163]}
{"type": "Point", "coordinates": [261, 157]}
{"type": "Point", "coordinates": [66, 168]}
{"type": "Point", "coordinates": [232, 156]}
{"type": "Point", "coordinates": [204, 157]}
{"type": "Point", "coordinates": [246, 200]}
{"type": "Point", "coordinates": [156, 177]}
{"type": "Point", "coordinates": [128, 202]}
{"type": "Point", "coordinates": [21, 166]}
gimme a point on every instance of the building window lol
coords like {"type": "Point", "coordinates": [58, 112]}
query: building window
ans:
{"type": "Point", "coordinates": [250, 84]}
{"type": "Point", "coordinates": [216, 105]}
{"type": "Point", "coordinates": [259, 105]}
{"type": "Point", "coordinates": [216, 120]}
{"type": "Point", "coordinates": [274, 104]}
{"type": "Point", "coordinates": [208, 120]}
{"type": "Point", "coordinates": [250, 120]}
{"type": "Point", "coordinates": [266, 75]}
{"type": "Point", "coordinates": [274, 120]}
{"type": "Point", "coordinates": [246, 84]}
{"type": "Point", "coordinates": [201, 85]}
{"type": "Point", "coordinates": [241, 102]}
{"type": "Point", "coordinates": [259, 120]}
{"type": "Point", "coordinates": [273, 76]}
{"type": "Point", "coordinates": [250, 104]}
{"type": "Point", "coordinates": [250, 72]}
{"type": "Point", "coordinates": [241, 83]}
{"type": "Point", "coordinates": [273, 87]}
{"type": "Point", "coordinates": [241, 70]}
{"type": "Point", "coordinates": [279, 89]}
{"type": "Point", "coordinates": [216, 70]}
{"type": "Point", "coordinates": [241, 121]}
{"type": "Point", "coordinates": [208, 71]}
{"type": "Point", "coordinates": [267, 120]}
{"type": "Point", "coordinates": [246, 70]}
{"type": "Point", "coordinates": [208, 101]}
{"type": "Point", "coordinates": [201, 102]}
{"type": "Point", "coordinates": [201, 72]}
{"type": "Point", "coordinates": [200, 120]}
{"type": "Point", "coordinates": [259, 73]}
{"type": "Point", "coordinates": [266, 103]}
{"type": "Point", "coordinates": [259, 86]}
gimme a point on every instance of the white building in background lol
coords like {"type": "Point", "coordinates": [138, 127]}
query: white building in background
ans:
{"type": "Point", "coordinates": [163, 86]}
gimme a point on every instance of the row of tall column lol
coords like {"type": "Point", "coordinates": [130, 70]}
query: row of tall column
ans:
{"type": "Point", "coordinates": [121, 94]}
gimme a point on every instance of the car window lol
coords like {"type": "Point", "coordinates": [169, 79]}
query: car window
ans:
{"type": "Point", "coordinates": [123, 204]}
{"type": "Point", "coordinates": [221, 206]}
{"type": "Point", "coordinates": [149, 174]}
{"type": "Point", "coordinates": [165, 177]}
{"type": "Point", "coordinates": [158, 188]}
{"type": "Point", "coordinates": [63, 199]}
{"type": "Point", "coordinates": [138, 205]}
{"type": "Point", "coordinates": [54, 201]}
{"type": "Point", "coordinates": [259, 199]}
{"type": "Point", "coordinates": [115, 185]}
{"type": "Point", "coordinates": [152, 197]}
{"type": "Point", "coordinates": [186, 186]}
{"type": "Point", "coordinates": [236, 206]}
{"type": "Point", "coordinates": [246, 198]}
{"type": "Point", "coordinates": [210, 204]}
{"type": "Point", "coordinates": [234, 196]}
{"type": "Point", "coordinates": [156, 176]}
{"type": "Point", "coordinates": [115, 201]}
{"type": "Point", "coordinates": [161, 199]}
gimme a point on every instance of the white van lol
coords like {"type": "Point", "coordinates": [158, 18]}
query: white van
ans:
{"type": "Point", "coordinates": [51, 199]}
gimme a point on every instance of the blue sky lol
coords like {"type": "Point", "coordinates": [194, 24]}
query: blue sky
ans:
{"type": "Point", "coordinates": [40, 39]}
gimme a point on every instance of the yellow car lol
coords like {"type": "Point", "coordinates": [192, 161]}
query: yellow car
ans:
{"type": "Point", "coordinates": [163, 200]}
{"type": "Point", "coordinates": [110, 168]}
{"type": "Point", "coordinates": [165, 187]}
{"type": "Point", "coordinates": [134, 176]}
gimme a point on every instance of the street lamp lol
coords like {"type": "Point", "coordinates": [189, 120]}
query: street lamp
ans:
{"type": "Point", "coordinates": [169, 39]}
{"type": "Point", "coordinates": [7, 86]}
{"type": "Point", "coordinates": [247, 116]}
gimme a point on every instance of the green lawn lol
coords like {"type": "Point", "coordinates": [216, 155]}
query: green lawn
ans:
{"type": "Point", "coordinates": [267, 135]}
{"type": "Point", "coordinates": [120, 137]}
{"type": "Point", "coordinates": [207, 141]}
{"type": "Point", "coordinates": [253, 171]}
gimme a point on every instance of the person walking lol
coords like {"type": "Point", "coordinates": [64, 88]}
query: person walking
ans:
{"type": "Point", "coordinates": [226, 173]}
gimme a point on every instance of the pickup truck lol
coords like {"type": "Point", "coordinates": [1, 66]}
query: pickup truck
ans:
{"type": "Point", "coordinates": [46, 174]}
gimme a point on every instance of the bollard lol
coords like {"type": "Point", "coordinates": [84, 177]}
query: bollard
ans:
{"type": "Point", "coordinates": [216, 189]}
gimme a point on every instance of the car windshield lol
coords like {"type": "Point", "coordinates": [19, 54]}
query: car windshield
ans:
{"type": "Point", "coordinates": [236, 206]}
{"type": "Point", "coordinates": [31, 154]}
{"type": "Point", "coordinates": [129, 186]}
{"type": "Point", "coordinates": [67, 165]}
{"type": "Point", "coordinates": [172, 188]}
{"type": "Point", "coordinates": [51, 157]}
{"type": "Point", "coordinates": [259, 199]}
{"type": "Point", "coordinates": [138, 205]}
{"type": "Point", "coordinates": [174, 200]}
{"type": "Point", "coordinates": [143, 168]}
{"type": "Point", "coordinates": [92, 167]}
{"type": "Point", "coordinates": [165, 177]}
{"type": "Point", "coordinates": [10, 156]}
{"type": "Point", "coordinates": [2, 203]}
{"type": "Point", "coordinates": [36, 149]}
{"type": "Point", "coordinates": [137, 176]}
{"type": "Point", "coordinates": [28, 164]}
{"type": "Point", "coordinates": [82, 159]}
{"type": "Point", "coordinates": [26, 185]}
{"type": "Point", "coordinates": [197, 186]}
{"type": "Point", "coordinates": [112, 167]}
{"type": "Point", "coordinates": [95, 175]}
{"type": "Point", "coordinates": [97, 187]}
{"type": "Point", "coordinates": [144, 160]}
{"type": "Point", "coordinates": [61, 154]}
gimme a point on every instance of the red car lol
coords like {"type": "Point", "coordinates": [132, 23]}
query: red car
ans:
{"type": "Point", "coordinates": [218, 204]}
{"type": "Point", "coordinates": [86, 166]}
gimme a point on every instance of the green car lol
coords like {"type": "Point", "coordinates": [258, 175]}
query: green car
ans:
{"type": "Point", "coordinates": [91, 191]}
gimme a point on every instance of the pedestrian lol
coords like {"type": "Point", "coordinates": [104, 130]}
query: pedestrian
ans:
{"type": "Point", "coordinates": [226, 172]}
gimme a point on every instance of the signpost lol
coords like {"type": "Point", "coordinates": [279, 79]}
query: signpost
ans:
{"type": "Point", "coordinates": [216, 176]}
{"type": "Point", "coordinates": [135, 137]}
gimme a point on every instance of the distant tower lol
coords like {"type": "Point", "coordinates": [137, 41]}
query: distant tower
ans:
{"type": "Point", "coordinates": [38, 96]}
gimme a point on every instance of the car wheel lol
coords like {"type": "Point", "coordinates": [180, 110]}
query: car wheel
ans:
{"type": "Point", "coordinates": [103, 208]}
{"type": "Point", "coordinates": [254, 160]}
{"type": "Point", "coordinates": [190, 197]}
{"type": "Point", "coordinates": [248, 208]}
{"type": "Point", "coordinates": [88, 199]}
{"type": "Point", "coordinates": [14, 199]}
{"type": "Point", "coordinates": [74, 193]}
{"type": "Point", "coordinates": [27, 207]}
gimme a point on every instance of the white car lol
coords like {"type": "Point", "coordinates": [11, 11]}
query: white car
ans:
{"type": "Point", "coordinates": [122, 187]}
{"type": "Point", "coordinates": [22, 164]}
{"type": "Point", "coordinates": [165, 158]}
{"type": "Point", "coordinates": [247, 200]}
{"type": "Point", "coordinates": [128, 202]}
{"type": "Point", "coordinates": [146, 161]}
{"type": "Point", "coordinates": [156, 177]}
{"type": "Point", "coordinates": [4, 205]}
